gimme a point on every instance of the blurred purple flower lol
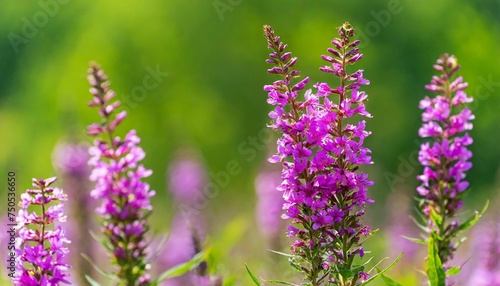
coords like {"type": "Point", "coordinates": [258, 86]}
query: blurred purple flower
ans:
{"type": "Point", "coordinates": [70, 159]}
{"type": "Point", "coordinates": [445, 157]}
{"type": "Point", "coordinates": [207, 280]}
{"type": "Point", "coordinates": [486, 247]}
{"type": "Point", "coordinates": [399, 225]}
{"type": "Point", "coordinates": [269, 203]}
{"type": "Point", "coordinates": [40, 245]}
{"type": "Point", "coordinates": [186, 179]}
{"type": "Point", "coordinates": [179, 248]}
{"type": "Point", "coordinates": [119, 185]}
{"type": "Point", "coordinates": [324, 192]}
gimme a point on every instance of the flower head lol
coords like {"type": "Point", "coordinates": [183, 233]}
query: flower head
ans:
{"type": "Point", "coordinates": [320, 149]}
{"type": "Point", "coordinates": [41, 242]}
{"type": "Point", "coordinates": [119, 176]}
{"type": "Point", "coordinates": [445, 156]}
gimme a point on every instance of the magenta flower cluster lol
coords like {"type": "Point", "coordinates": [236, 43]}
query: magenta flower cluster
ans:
{"type": "Point", "coordinates": [119, 185]}
{"type": "Point", "coordinates": [41, 244]}
{"type": "Point", "coordinates": [321, 149]}
{"type": "Point", "coordinates": [445, 157]}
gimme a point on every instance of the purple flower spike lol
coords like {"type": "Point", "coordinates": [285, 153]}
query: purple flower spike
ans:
{"type": "Point", "coordinates": [186, 178]}
{"type": "Point", "coordinates": [321, 149]}
{"type": "Point", "coordinates": [486, 250]}
{"type": "Point", "coordinates": [445, 157]}
{"type": "Point", "coordinates": [40, 245]}
{"type": "Point", "coordinates": [269, 204]}
{"type": "Point", "coordinates": [119, 185]}
{"type": "Point", "coordinates": [71, 160]}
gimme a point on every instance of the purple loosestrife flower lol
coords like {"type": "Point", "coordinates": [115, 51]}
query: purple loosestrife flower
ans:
{"type": "Point", "coordinates": [486, 246]}
{"type": "Point", "coordinates": [445, 156]}
{"type": "Point", "coordinates": [178, 249]}
{"type": "Point", "coordinates": [321, 149]}
{"type": "Point", "coordinates": [399, 225]}
{"type": "Point", "coordinates": [7, 242]}
{"type": "Point", "coordinates": [269, 203]}
{"type": "Point", "coordinates": [40, 245]}
{"type": "Point", "coordinates": [119, 185]}
{"type": "Point", "coordinates": [70, 160]}
{"type": "Point", "coordinates": [186, 180]}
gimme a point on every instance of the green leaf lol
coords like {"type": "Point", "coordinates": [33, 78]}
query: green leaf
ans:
{"type": "Point", "coordinates": [183, 268]}
{"type": "Point", "coordinates": [473, 219]}
{"type": "Point", "coordinates": [280, 282]}
{"type": "Point", "coordinates": [368, 261]}
{"type": "Point", "coordinates": [435, 271]}
{"type": "Point", "coordinates": [453, 271]}
{"type": "Point", "coordinates": [102, 240]}
{"type": "Point", "coordinates": [436, 218]}
{"type": "Point", "coordinates": [284, 254]}
{"type": "Point", "coordinates": [389, 281]}
{"type": "Point", "coordinates": [295, 265]}
{"type": "Point", "coordinates": [419, 225]}
{"type": "Point", "coordinates": [254, 278]}
{"type": "Point", "coordinates": [91, 281]}
{"type": "Point", "coordinates": [99, 270]}
{"type": "Point", "coordinates": [160, 247]}
{"type": "Point", "coordinates": [417, 240]}
{"type": "Point", "coordinates": [383, 270]}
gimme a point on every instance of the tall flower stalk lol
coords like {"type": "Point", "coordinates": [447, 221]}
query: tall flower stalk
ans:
{"type": "Point", "coordinates": [70, 159]}
{"type": "Point", "coordinates": [119, 185]}
{"type": "Point", "coordinates": [445, 158]}
{"type": "Point", "coordinates": [186, 178]}
{"type": "Point", "coordinates": [321, 150]}
{"type": "Point", "coordinates": [41, 244]}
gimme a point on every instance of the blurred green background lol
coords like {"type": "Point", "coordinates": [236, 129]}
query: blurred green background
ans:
{"type": "Point", "coordinates": [212, 99]}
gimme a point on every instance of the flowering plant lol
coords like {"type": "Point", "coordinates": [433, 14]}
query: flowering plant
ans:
{"type": "Point", "coordinates": [445, 159]}
{"type": "Point", "coordinates": [125, 197]}
{"type": "Point", "coordinates": [41, 243]}
{"type": "Point", "coordinates": [321, 150]}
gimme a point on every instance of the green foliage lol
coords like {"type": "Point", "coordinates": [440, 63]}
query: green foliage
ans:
{"type": "Point", "coordinates": [388, 281]}
{"type": "Point", "coordinates": [435, 271]}
{"type": "Point", "coordinates": [181, 269]}
{"type": "Point", "coordinates": [471, 221]}
{"type": "Point", "coordinates": [455, 270]}
{"type": "Point", "coordinates": [91, 281]}
{"type": "Point", "coordinates": [254, 278]}
{"type": "Point", "coordinates": [381, 272]}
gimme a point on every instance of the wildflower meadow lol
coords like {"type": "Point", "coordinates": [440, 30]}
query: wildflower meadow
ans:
{"type": "Point", "coordinates": [220, 143]}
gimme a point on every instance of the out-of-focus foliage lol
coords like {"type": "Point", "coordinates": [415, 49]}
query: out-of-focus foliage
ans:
{"type": "Point", "coordinates": [212, 97]}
